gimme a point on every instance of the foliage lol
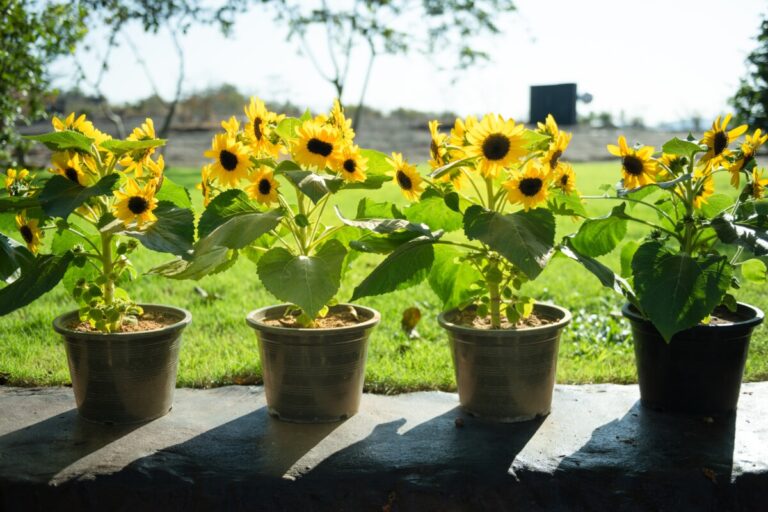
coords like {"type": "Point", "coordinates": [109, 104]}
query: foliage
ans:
{"type": "Point", "coordinates": [697, 240]}
{"type": "Point", "coordinates": [104, 195]}
{"type": "Point", "coordinates": [300, 258]}
{"type": "Point", "coordinates": [482, 170]}
{"type": "Point", "coordinates": [751, 98]}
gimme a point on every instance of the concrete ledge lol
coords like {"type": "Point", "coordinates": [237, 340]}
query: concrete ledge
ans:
{"type": "Point", "coordinates": [219, 450]}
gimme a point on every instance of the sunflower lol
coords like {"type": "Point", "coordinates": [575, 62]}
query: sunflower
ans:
{"type": "Point", "coordinates": [80, 125]}
{"type": "Point", "coordinates": [549, 127]}
{"type": "Point", "coordinates": [232, 160]}
{"type": "Point", "coordinates": [497, 144]}
{"type": "Point", "coordinates": [316, 145]}
{"type": "Point", "coordinates": [758, 183]}
{"type": "Point", "coordinates": [69, 165]}
{"type": "Point", "coordinates": [30, 231]}
{"type": "Point", "coordinates": [205, 185]}
{"type": "Point", "coordinates": [717, 140]}
{"type": "Point", "coordinates": [406, 177]}
{"type": "Point", "coordinates": [12, 176]}
{"type": "Point", "coordinates": [705, 187]}
{"type": "Point", "coordinates": [748, 151]}
{"type": "Point", "coordinates": [341, 123]}
{"type": "Point", "coordinates": [564, 178]}
{"type": "Point", "coordinates": [437, 152]}
{"type": "Point", "coordinates": [259, 128]}
{"type": "Point", "coordinates": [352, 165]}
{"type": "Point", "coordinates": [135, 204]}
{"type": "Point", "coordinates": [667, 163]}
{"type": "Point", "coordinates": [263, 186]}
{"type": "Point", "coordinates": [637, 165]}
{"type": "Point", "coordinates": [556, 149]}
{"type": "Point", "coordinates": [135, 160]}
{"type": "Point", "coordinates": [528, 186]}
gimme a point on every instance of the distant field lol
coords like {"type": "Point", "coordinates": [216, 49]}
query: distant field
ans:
{"type": "Point", "coordinates": [220, 349]}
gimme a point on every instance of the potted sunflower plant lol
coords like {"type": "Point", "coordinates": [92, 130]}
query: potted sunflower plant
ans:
{"type": "Point", "coordinates": [691, 336]}
{"type": "Point", "coordinates": [78, 225]}
{"type": "Point", "coordinates": [275, 211]}
{"type": "Point", "coordinates": [499, 185]}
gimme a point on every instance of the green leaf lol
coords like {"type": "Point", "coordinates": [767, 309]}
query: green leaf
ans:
{"type": "Point", "coordinates": [287, 165]}
{"type": "Point", "coordinates": [385, 226]}
{"type": "Point", "coordinates": [232, 220]}
{"type": "Point", "coordinates": [212, 261]}
{"type": "Point", "coordinates": [286, 128]}
{"type": "Point", "coordinates": [408, 265]}
{"type": "Point", "coordinates": [173, 232]}
{"type": "Point", "coordinates": [174, 193]}
{"type": "Point", "coordinates": [447, 168]}
{"type": "Point", "coordinates": [533, 138]}
{"type": "Point", "coordinates": [13, 256]}
{"type": "Point", "coordinates": [37, 278]}
{"type": "Point", "coordinates": [753, 239]}
{"type": "Point", "coordinates": [377, 162]}
{"type": "Point", "coordinates": [451, 279]}
{"type": "Point", "coordinates": [367, 208]}
{"type": "Point", "coordinates": [382, 244]}
{"type": "Point", "coordinates": [64, 140]}
{"type": "Point", "coordinates": [309, 282]}
{"type": "Point", "coordinates": [561, 203]}
{"type": "Point", "coordinates": [754, 270]}
{"type": "Point", "coordinates": [600, 236]}
{"type": "Point", "coordinates": [675, 290]}
{"type": "Point", "coordinates": [121, 147]}
{"type": "Point", "coordinates": [313, 185]}
{"type": "Point", "coordinates": [526, 239]}
{"type": "Point", "coordinates": [627, 253]}
{"type": "Point", "coordinates": [605, 275]}
{"type": "Point", "coordinates": [17, 203]}
{"type": "Point", "coordinates": [715, 205]}
{"type": "Point", "coordinates": [372, 182]}
{"type": "Point", "coordinates": [682, 147]}
{"type": "Point", "coordinates": [433, 212]}
{"type": "Point", "coordinates": [60, 196]}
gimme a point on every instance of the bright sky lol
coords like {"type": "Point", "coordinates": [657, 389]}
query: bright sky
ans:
{"type": "Point", "coordinates": [663, 60]}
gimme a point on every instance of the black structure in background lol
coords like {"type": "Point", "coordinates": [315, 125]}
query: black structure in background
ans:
{"type": "Point", "coordinates": [558, 100]}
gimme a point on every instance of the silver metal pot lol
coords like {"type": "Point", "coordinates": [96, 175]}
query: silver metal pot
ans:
{"type": "Point", "coordinates": [507, 375]}
{"type": "Point", "coordinates": [313, 375]}
{"type": "Point", "coordinates": [125, 377]}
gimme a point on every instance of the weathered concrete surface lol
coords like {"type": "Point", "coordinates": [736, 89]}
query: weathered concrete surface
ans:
{"type": "Point", "coordinates": [219, 450]}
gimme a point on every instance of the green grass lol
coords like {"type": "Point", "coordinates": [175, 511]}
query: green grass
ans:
{"type": "Point", "coordinates": [220, 349]}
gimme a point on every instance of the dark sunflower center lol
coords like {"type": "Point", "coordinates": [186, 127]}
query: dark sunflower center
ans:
{"type": "Point", "coordinates": [495, 146]}
{"type": "Point", "coordinates": [319, 147]}
{"type": "Point", "coordinates": [564, 180]}
{"type": "Point", "coordinates": [633, 165]}
{"type": "Point", "coordinates": [555, 158]}
{"type": "Point", "coordinates": [71, 174]}
{"type": "Point", "coordinates": [350, 165]}
{"type": "Point", "coordinates": [530, 186]}
{"type": "Point", "coordinates": [720, 143]}
{"type": "Point", "coordinates": [228, 160]}
{"type": "Point", "coordinates": [257, 128]}
{"type": "Point", "coordinates": [404, 181]}
{"type": "Point", "coordinates": [137, 205]}
{"type": "Point", "coordinates": [26, 233]}
{"type": "Point", "coordinates": [264, 186]}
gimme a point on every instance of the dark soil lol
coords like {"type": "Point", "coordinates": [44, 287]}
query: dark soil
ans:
{"type": "Point", "coordinates": [149, 321]}
{"type": "Point", "coordinates": [344, 318]}
{"type": "Point", "coordinates": [468, 319]}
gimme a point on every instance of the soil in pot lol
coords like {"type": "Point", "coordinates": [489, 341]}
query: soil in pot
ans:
{"type": "Point", "coordinates": [506, 374]}
{"type": "Point", "coordinates": [313, 375]}
{"type": "Point", "coordinates": [124, 377]}
{"type": "Point", "coordinates": [700, 370]}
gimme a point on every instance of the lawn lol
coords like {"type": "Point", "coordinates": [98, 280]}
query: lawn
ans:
{"type": "Point", "coordinates": [220, 349]}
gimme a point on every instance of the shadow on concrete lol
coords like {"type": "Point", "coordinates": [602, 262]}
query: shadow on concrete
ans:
{"type": "Point", "coordinates": [46, 448]}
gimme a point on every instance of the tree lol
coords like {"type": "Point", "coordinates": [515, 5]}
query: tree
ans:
{"type": "Point", "coordinates": [751, 99]}
{"type": "Point", "coordinates": [29, 40]}
{"type": "Point", "coordinates": [391, 27]}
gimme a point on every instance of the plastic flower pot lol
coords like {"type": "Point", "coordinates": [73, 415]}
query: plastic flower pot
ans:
{"type": "Point", "coordinates": [507, 375]}
{"type": "Point", "coordinates": [700, 370]}
{"type": "Point", "coordinates": [313, 375]}
{"type": "Point", "coordinates": [124, 377]}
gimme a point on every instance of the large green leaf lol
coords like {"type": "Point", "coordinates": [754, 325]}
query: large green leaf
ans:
{"type": "Point", "coordinates": [175, 193]}
{"type": "Point", "coordinates": [64, 140]}
{"type": "Point", "coordinates": [561, 203]}
{"type": "Point", "coordinates": [408, 265]}
{"type": "Point", "coordinates": [17, 203]}
{"type": "Point", "coordinates": [232, 220]}
{"type": "Point", "coordinates": [313, 185]}
{"type": "Point", "coordinates": [377, 162]}
{"type": "Point", "coordinates": [676, 291]}
{"type": "Point", "coordinates": [605, 275]}
{"type": "Point", "coordinates": [451, 279]}
{"type": "Point", "coordinates": [212, 261]}
{"type": "Point", "coordinates": [37, 278]}
{"type": "Point", "coordinates": [367, 208]}
{"type": "Point", "coordinates": [382, 244]}
{"type": "Point", "coordinates": [600, 236]}
{"type": "Point", "coordinates": [682, 147]}
{"type": "Point", "coordinates": [173, 232]}
{"type": "Point", "coordinates": [386, 226]}
{"type": "Point", "coordinates": [287, 128]}
{"type": "Point", "coordinates": [309, 282]}
{"type": "Point", "coordinates": [13, 256]}
{"type": "Point", "coordinates": [121, 147]}
{"type": "Point", "coordinates": [526, 239]}
{"type": "Point", "coordinates": [742, 234]}
{"type": "Point", "coordinates": [61, 196]}
{"type": "Point", "coordinates": [433, 212]}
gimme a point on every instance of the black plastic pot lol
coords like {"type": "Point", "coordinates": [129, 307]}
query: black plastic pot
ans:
{"type": "Point", "coordinates": [313, 375]}
{"type": "Point", "coordinates": [700, 370]}
{"type": "Point", "coordinates": [124, 377]}
{"type": "Point", "coordinates": [507, 375]}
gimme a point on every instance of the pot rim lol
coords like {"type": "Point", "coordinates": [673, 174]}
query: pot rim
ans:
{"type": "Point", "coordinates": [559, 324]}
{"type": "Point", "coordinates": [59, 325]}
{"type": "Point", "coordinates": [253, 322]}
{"type": "Point", "coordinates": [629, 311]}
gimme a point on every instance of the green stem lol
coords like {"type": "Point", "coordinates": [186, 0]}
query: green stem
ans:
{"type": "Point", "coordinates": [489, 191]}
{"type": "Point", "coordinates": [495, 295]}
{"type": "Point", "coordinates": [107, 266]}
{"type": "Point", "coordinates": [323, 202]}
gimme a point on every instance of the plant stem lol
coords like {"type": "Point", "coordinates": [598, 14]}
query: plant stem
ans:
{"type": "Point", "coordinates": [107, 265]}
{"type": "Point", "coordinates": [495, 294]}
{"type": "Point", "coordinates": [489, 191]}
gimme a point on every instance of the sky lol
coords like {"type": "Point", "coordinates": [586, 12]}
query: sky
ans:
{"type": "Point", "coordinates": [661, 60]}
